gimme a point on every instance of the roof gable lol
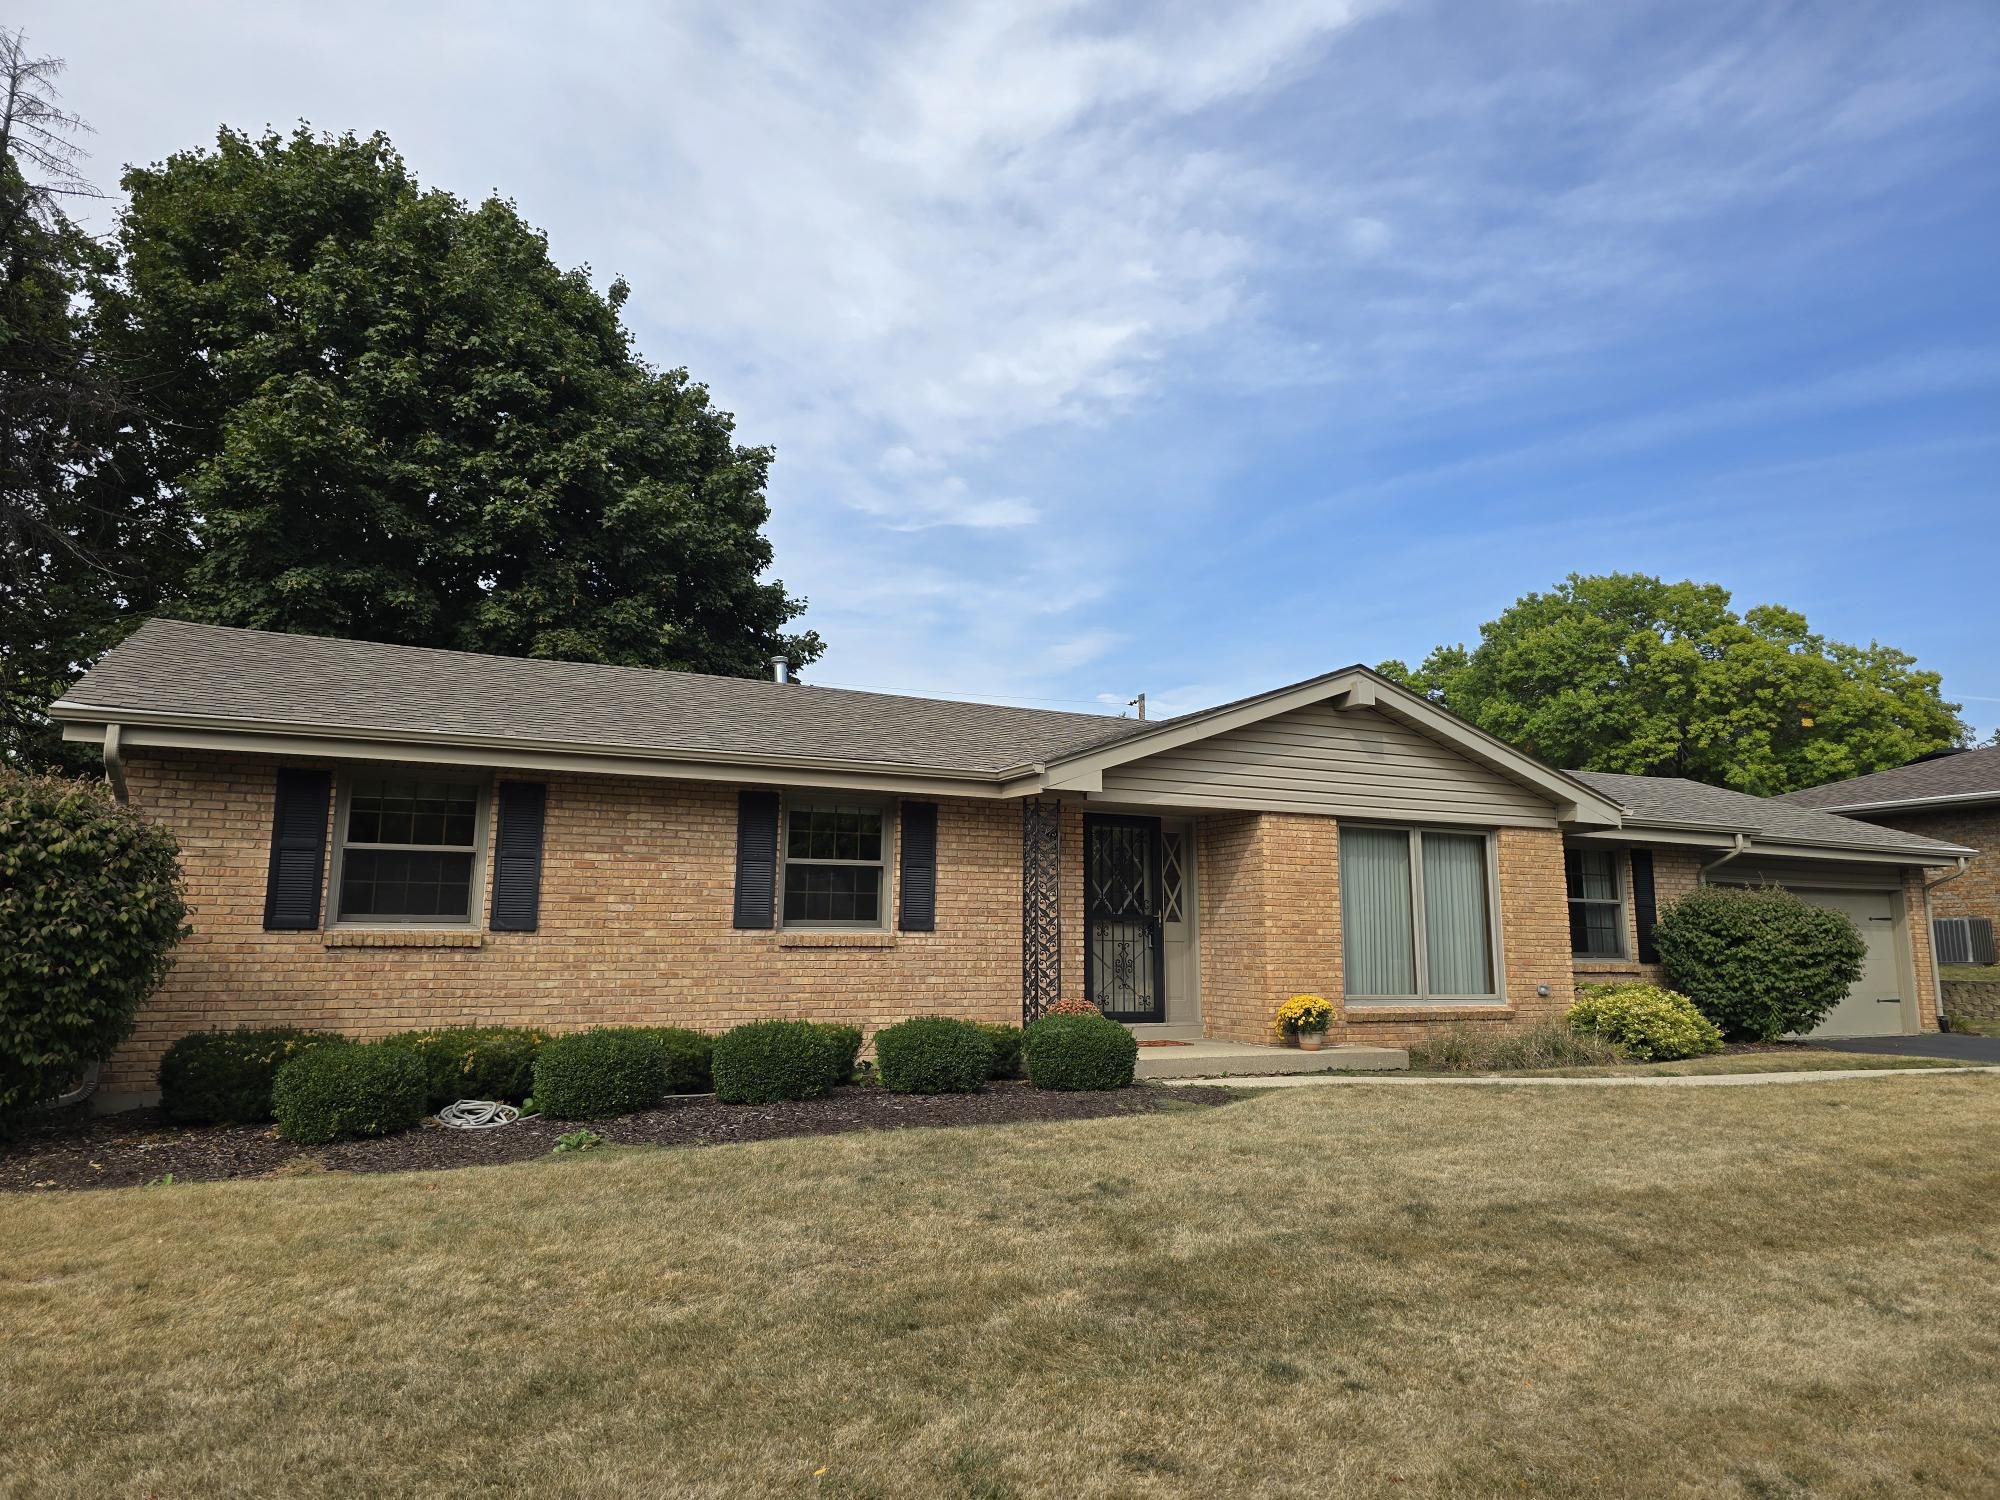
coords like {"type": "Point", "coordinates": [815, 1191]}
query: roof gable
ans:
{"type": "Point", "coordinates": [1969, 776]}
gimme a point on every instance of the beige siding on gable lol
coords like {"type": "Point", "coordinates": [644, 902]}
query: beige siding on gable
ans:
{"type": "Point", "coordinates": [1353, 763]}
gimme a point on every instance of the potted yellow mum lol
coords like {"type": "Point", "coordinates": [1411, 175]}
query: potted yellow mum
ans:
{"type": "Point", "coordinates": [1304, 1019]}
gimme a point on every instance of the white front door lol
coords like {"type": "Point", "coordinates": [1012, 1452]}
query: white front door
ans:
{"type": "Point", "coordinates": [1178, 918]}
{"type": "Point", "coordinates": [1875, 1005]}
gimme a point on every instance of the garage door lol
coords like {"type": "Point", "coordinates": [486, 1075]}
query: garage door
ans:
{"type": "Point", "coordinates": [1874, 1007]}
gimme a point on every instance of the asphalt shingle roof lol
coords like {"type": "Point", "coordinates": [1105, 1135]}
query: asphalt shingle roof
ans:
{"type": "Point", "coordinates": [1970, 773]}
{"type": "Point", "coordinates": [1674, 800]}
{"type": "Point", "coordinates": [169, 666]}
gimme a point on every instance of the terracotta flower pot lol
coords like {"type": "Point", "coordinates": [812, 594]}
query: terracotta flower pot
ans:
{"type": "Point", "coordinates": [1311, 1041]}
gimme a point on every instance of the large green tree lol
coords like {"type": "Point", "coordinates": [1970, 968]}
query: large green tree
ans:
{"type": "Point", "coordinates": [1626, 672]}
{"type": "Point", "coordinates": [81, 547]}
{"type": "Point", "coordinates": [388, 414]}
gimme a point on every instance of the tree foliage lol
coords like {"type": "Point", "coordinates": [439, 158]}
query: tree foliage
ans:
{"type": "Point", "coordinates": [1628, 673]}
{"type": "Point", "coordinates": [390, 415]}
{"type": "Point", "coordinates": [80, 548]}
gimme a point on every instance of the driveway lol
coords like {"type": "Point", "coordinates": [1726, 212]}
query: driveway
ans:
{"type": "Point", "coordinates": [1954, 1045]}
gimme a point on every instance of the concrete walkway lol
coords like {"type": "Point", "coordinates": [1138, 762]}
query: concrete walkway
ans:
{"type": "Point", "coordinates": [1491, 1080]}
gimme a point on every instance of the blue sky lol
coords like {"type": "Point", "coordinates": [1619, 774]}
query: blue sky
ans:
{"type": "Point", "coordinates": [1122, 348]}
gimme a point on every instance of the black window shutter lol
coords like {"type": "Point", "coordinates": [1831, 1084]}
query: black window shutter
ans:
{"type": "Point", "coordinates": [517, 857]}
{"type": "Point", "coordinates": [1644, 913]}
{"type": "Point", "coordinates": [298, 850]}
{"type": "Point", "coordinates": [916, 890]}
{"type": "Point", "coordinates": [756, 857]}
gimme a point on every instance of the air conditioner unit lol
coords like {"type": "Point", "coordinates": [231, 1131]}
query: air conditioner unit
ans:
{"type": "Point", "coordinates": [1963, 940]}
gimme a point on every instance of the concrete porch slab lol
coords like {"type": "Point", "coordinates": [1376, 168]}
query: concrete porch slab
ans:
{"type": "Point", "coordinates": [1211, 1059]}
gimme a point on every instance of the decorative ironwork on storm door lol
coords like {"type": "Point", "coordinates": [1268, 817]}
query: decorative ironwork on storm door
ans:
{"type": "Point", "coordinates": [1041, 907]}
{"type": "Point", "coordinates": [1124, 957]}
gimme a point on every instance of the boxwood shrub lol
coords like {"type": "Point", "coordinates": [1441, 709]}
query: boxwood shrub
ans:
{"type": "Point", "coordinates": [354, 1089]}
{"type": "Point", "coordinates": [846, 1042]}
{"type": "Point", "coordinates": [225, 1077]}
{"type": "Point", "coordinates": [1005, 1041]}
{"type": "Point", "coordinates": [685, 1055]}
{"type": "Point", "coordinates": [933, 1055]}
{"type": "Point", "coordinates": [1644, 1021]}
{"type": "Point", "coordinates": [765, 1061]}
{"type": "Point", "coordinates": [1079, 1052]}
{"type": "Point", "coordinates": [1758, 961]}
{"type": "Point", "coordinates": [611, 1070]}
{"type": "Point", "coordinates": [474, 1062]}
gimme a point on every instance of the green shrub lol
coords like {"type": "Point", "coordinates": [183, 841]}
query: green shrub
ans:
{"type": "Point", "coordinates": [1644, 1021]}
{"type": "Point", "coordinates": [933, 1055]}
{"type": "Point", "coordinates": [90, 910]}
{"type": "Point", "coordinates": [611, 1070]}
{"type": "Point", "coordinates": [765, 1061]}
{"type": "Point", "coordinates": [1758, 961]}
{"type": "Point", "coordinates": [1079, 1052]}
{"type": "Point", "coordinates": [334, 1093]}
{"type": "Point", "coordinates": [685, 1055]}
{"type": "Point", "coordinates": [474, 1062]}
{"type": "Point", "coordinates": [846, 1043]}
{"type": "Point", "coordinates": [225, 1077]}
{"type": "Point", "coordinates": [1005, 1041]}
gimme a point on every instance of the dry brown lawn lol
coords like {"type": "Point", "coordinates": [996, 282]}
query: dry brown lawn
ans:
{"type": "Point", "coordinates": [1407, 1291]}
{"type": "Point", "coordinates": [1751, 1062]}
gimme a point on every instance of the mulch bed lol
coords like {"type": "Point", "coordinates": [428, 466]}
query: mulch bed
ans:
{"type": "Point", "coordinates": [76, 1149]}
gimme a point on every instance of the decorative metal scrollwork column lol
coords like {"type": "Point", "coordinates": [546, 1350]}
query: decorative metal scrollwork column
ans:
{"type": "Point", "coordinates": [1041, 907]}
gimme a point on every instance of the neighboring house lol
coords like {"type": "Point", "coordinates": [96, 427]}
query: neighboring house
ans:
{"type": "Point", "coordinates": [1955, 797]}
{"type": "Point", "coordinates": [383, 837]}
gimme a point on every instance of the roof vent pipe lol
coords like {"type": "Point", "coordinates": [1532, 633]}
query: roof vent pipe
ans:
{"type": "Point", "coordinates": [781, 669]}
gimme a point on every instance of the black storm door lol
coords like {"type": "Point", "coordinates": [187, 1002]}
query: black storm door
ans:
{"type": "Point", "coordinates": [1124, 966]}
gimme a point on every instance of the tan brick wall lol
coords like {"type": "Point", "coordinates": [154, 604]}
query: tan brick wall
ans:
{"type": "Point", "coordinates": [635, 926]}
{"type": "Point", "coordinates": [1976, 893]}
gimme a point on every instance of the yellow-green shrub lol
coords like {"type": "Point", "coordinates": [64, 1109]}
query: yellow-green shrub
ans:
{"type": "Point", "coordinates": [1644, 1021]}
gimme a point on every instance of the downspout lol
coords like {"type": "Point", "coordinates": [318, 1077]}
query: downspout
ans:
{"type": "Point", "coordinates": [1930, 937]}
{"type": "Point", "coordinates": [1742, 847]}
{"type": "Point", "coordinates": [114, 765]}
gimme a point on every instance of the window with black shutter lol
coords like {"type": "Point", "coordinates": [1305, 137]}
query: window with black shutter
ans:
{"type": "Point", "coordinates": [517, 857]}
{"type": "Point", "coordinates": [298, 849]}
{"type": "Point", "coordinates": [916, 887]}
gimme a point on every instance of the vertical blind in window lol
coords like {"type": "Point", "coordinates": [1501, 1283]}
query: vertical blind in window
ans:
{"type": "Point", "coordinates": [1417, 916]}
{"type": "Point", "coordinates": [1457, 928]}
{"type": "Point", "coordinates": [1375, 899]}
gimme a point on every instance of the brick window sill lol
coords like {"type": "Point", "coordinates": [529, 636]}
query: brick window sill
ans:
{"type": "Point", "coordinates": [1364, 1015]}
{"type": "Point", "coordinates": [358, 937]}
{"type": "Point", "coordinates": [808, 938]}
{"type": "Point", "coordinates": [1607, 965]}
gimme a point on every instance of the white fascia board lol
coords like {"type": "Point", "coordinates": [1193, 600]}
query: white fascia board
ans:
{"type": "Point", "coordinates": [1907, 804]}
{"type": "Point", "coordinates": [528, 756]}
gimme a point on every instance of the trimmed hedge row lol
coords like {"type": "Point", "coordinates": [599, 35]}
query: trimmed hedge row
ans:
{"type": "Point", "coordinates": [321, 1086]}
{"type": "Point", "coordinates": [225, 1077]}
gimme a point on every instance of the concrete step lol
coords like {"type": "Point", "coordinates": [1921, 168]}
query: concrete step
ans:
{"type": "Point", "coordinates": [1209, 1059]}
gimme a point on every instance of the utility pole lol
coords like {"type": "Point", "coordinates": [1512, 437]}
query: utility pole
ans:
{"type": "Point", "coordinates": [1140, 704]}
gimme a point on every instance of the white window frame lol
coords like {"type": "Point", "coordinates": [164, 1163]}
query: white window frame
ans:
{"type": "Point", "coordinates": [476, 884]}
{"type": "Point", "coordinates": [808, 802]}
{"type": "Point", "coordinates": [1621, 888]}
{"type": "Point", "coordinates": [1419, 930]}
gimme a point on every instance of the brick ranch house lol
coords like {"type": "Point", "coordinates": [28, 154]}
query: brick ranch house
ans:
{"type": "Point", "coordinates": [382, 837]}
